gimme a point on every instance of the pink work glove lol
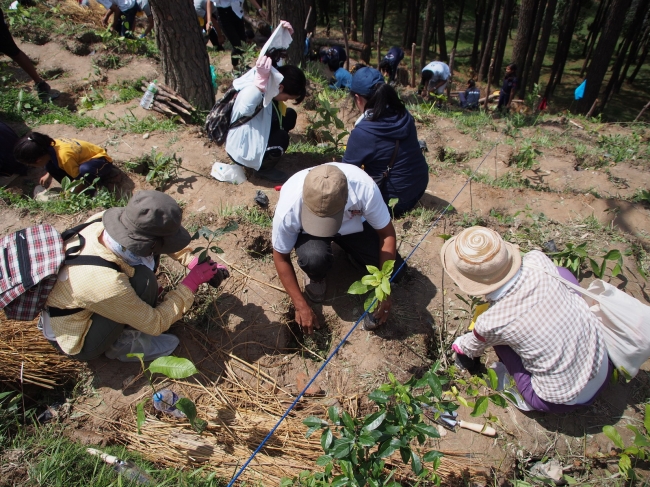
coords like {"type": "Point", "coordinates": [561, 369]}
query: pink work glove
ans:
{"type": "Point", "coordinates": [262, 72]}
{"type": "Point", "coordinates": [222, 272]}
{"type": "Point", "coordinates": [456, 348]}
{"type": "Point", "coordinates": [199, 274]}
{"type": "Point", "coordinates": [287, 26]}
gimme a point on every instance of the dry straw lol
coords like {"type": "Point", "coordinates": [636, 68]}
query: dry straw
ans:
{"type": "Point", "coordinates": [25, 354]}
{"type": "Point", "coordinates": [92, 15]}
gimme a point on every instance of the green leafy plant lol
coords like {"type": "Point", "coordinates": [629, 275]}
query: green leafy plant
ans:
{"type": "Point", "coordinates": [174, 368]}
{"type": "Point", "coordinates": [639, 450]}
{"type": "Point", "coordinates": [211, 236]}
{"type": "Point", "coordinates": [642, 196]}
{"type": "Point", "coordinates": [249, 53]}
{"type": "Point", "coordinates": [391, 204]}
{"type": "Point", "coordinates": [326, 123]}
{"type": "Point", "coordinates": [526, 158]}
{"type": "Point", "coordinates": [92, 100]}
{"type": "Point", "coordinates": [161, 169]}
{"type": "Point", "coordinates": [573, 257]}
{"type": "Point", "coordinates": [378, 281]}
{"type": "Point", "coordinates": [613, 256]}
{"type": "Point", "coordinates": [357, 447]}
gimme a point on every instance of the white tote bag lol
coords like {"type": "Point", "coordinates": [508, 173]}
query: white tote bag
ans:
{"type": "Point", "coordinates": [625, 319]}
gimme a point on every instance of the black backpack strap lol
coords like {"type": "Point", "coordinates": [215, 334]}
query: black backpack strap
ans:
{"type": "Point", "coordinates": [74, 231]}
{"type": "Point", "coordinates": [247, 118]}
{"type": "Point", "coordinates": [92, 260]}
{"type": "Point", "coordinates": [392, 160]}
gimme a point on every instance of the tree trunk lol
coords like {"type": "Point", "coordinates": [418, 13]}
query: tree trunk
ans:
{"type": "Point", "coordinates": [383, 15]}
{"type": "Point", "coordinates": [524, 72]}
{"type": "Point", "coordinates": [489, 45]}
{"type": "Point", "coordinates": [603, 53]}
{"type": "Point", "coordinates": [543, 42]}
{"type": "Point", "coordinates": [479, 11]}
{"type": "Point", "coordinates": [502, 39]}
{"type": "Point", "coordinates": [567, 27]}
{"type": "Point", "coordinates": [312, 21]}
{"type": "Point", "coordinates": [424, 46]}
{"type": "Point", "coordinates": [486, 27]}
{"type": "Point", "coordinates": [459, 24]}
{"type": "Point", "coordinates": [644, 54]}
{"type": "Point", "coordinates": [595, 29]}
{"type": "Point", "coordinates": [184, 58]}
{"type": "Point", "coordinates": [634, 49]}
{"type": "Point", "coordinates": [369, 13]}
{"type": "Point", "coordinates": [294, 11]}
{"type": "Point", "coordinates": [353, 20]}
{"type": "Point", "coordinates": [442, 40]}
{"type": "Point", "coordinates": [524, 33]}
{"type": "Point", "coordinates": [632, 30]}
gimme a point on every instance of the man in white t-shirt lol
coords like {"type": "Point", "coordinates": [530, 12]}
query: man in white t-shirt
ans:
{"type": "Point", "coordinates": [435, 76]}
{"type": "Point", "coordinates": [119, 8]}
{"type": "Point", "coordinates": [334, 202]}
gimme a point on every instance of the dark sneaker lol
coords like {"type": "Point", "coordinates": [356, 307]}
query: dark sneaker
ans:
{"type": "Point", "coordinates": [45, 93]}
{"type": "Point", "coordinates": [273, 175]}
{"type": "Point", "coordinates": [315, 290]}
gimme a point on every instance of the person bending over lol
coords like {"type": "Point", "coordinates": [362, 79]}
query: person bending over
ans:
{"type": "Point", "coordinates": [72, 158]}
{"type": "Point", "coordinates": [90, 305]}
{"type": "Point", "coordinates": [434, 78]}
{"type": "Point", "coordinates": [206, 11]}
{"type": "Point", "coordinates": [333, 202]}
{"type": "Point", "coordinates": [335, 58]}
{"type": "Point", "coordinates": [388, 66]}
{"type": "Point", "coordinates": [260, 143]}
{"type": "Point", "coordinates": [384, 142]}
{"type": "Point", "coordinates": [231, 19]}
{"type": "Point", "coordinates": [543, 332]}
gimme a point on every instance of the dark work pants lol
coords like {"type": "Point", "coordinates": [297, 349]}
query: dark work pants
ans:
{"type": "Point", "coordinates": [128, 24]}
{"type": "Point", "coordinates": [89, 170]}
{"type": "Point", "coordinates": [315, 255]}
{"type": "Point", "coordinates": [103, 332]}
{"type": "Point", "coordinates": [234, 29]}
{"type": "Point", "coordinates": [278, 138]}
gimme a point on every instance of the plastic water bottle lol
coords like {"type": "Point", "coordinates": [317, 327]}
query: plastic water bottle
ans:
{"type": "Point", "coordinates": [147, 98]}
{"type": "Point", "coordinates": [164, 401]}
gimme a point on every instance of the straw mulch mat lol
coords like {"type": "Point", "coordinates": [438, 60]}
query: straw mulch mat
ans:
{"type": "Point", "coordinates": [27, 357]}
{"type": "Point", "coordinates": [241, 407]}
{"type": "Point", "coordinates": [93, 14]}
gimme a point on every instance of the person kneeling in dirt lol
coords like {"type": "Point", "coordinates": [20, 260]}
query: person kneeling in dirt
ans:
{"type": "Point", "coordinates": [90, 305]}
{"type": "Point", "coordinates": [333, 202]}
{"type": "Point", "coordinates": [261, 141]}
{"type": "Point", "coordinates": [435, 76]}
{"type": "Point", "coordinates": [543, 332]}
{"type": "Point", "coordinates": [72, 158]}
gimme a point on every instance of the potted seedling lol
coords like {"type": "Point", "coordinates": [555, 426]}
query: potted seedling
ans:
{"type": "Point", "coordinates": [377, 285]}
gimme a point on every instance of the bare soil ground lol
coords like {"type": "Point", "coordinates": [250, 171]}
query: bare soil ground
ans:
{"type": "Point", "coordinates": [251, 318]}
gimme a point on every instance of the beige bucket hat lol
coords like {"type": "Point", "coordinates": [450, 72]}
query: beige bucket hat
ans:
{"type": "Point", "coordinates": [324, 196]}
{"type": "Point", "coordinates": [479, 260]}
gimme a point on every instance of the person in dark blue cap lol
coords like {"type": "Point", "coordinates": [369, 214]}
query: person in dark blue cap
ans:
{"type": "Point", "coordinates": [384, 142]}
{"type": "Point", "coordinates": [388, 66]}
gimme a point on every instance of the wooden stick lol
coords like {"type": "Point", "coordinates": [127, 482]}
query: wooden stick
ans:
{"type": "Point", "coordinates": [451, 72]}
{"type": "Point", "coordinates": [378, 47]}
{"type": "Point", "coordinates": [413, 65]}
{"type": "Point", "coordinates": [593, 108]}
{"type": "Point", "coordinates": [647, 105]}
{"type": "Point", "coordinates": [307, 19]}
{"type": "Point", "coordinates": [249, 276]}
{"type": "Point", "coordinates": [347, 47]}
{"type": "Point", "coordinates": [487, 93]}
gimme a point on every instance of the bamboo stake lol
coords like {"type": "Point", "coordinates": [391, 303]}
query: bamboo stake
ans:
{"type": "Point", "coordinates": [451, 72]}
{"type": "Point", "coordinates": [249, 276]}
{"type": "Point", "coordinates": [593, 108]}
{"type": "Point", "coordinates": [413, 65]}
{"type": "Point", "coordinates": [487, 93]}
{"type": "Point", "coordinates": [647, 105]}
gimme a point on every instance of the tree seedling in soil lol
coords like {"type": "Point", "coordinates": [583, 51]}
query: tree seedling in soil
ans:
{"type": "Point", "coordinates": [378, 281]}
{"type": "Point", "coordinates": [327, 123]}
{"type": "Point", "coordinates": [211, 236]}
{"type": "Point", "coordinates": [174, 368]}
{"type": "Point", "coordinates": [573, 256]}
{"type": "Point", "coordinates": [639, 450]}
{"type": "Point", "coordinates": [526, 157]}
{"type": "Point", "coordinates": [357, 447]}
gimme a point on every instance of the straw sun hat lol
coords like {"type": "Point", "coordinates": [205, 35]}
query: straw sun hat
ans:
{"type": "Point", "coordinates": [479, 260]}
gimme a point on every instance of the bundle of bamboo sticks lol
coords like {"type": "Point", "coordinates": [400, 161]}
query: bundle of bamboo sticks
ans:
{"type": "Point", "coordinates": [170, 103]}
{"type": "Point", "coordinates": [27, 357]}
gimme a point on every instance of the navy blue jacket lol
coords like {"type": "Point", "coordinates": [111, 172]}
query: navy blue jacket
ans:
{"type": "Point", "coordinates": [371, 145]}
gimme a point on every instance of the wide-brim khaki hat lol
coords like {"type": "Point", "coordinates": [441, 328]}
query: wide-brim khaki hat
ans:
{"type": "Point", "coordinates": [479, 260]}
{"type": "Point", "coordinates": [149, 224]}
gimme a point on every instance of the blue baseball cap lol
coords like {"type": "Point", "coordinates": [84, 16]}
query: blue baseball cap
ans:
{"type": "Point", "coordinates": [364, 80]}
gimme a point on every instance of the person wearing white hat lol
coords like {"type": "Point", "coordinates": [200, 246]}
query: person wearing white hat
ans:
{"type": "Point", "coordinates": [542, 331]}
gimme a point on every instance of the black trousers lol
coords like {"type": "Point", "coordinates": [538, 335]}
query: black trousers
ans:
{"type": "Point", "coordinates": [278, 138]}
{"type": "Point", "coordinates": [315, 255]}
{"type": "Point", "coordinates": [234, 29]}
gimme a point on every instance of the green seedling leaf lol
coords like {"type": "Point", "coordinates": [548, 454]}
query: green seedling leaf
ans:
{"type": "Point", "coordinates": [498, 400]}
{"type": "Point", "coordinates": [375, 420]}
{"type": "Point", "coordinates": [463, 401]}
{"type": "Point", "coordinates": [405, 453]}
{"type": "Point", "coordinates": [370, 303]}
{"type": "Point", "coordinates": [347, 421]}
{"type": "Point", "coordinates": [140, 356]}
{"type": "Point", "coordinates": [402, 415]}
{"type": "Point", "coordinates": [494, 380]}
{"type": "Point", "coordinates": [216, 250]}
{"type": "Point", "coordinates": [312, 421]}
{"type": "Point", "coordinates": [358, 288]}
{"type": "Point", "coordinates": [426, 429]}
{"type": "Point", "coordinates": [616, 270]}
{"type": "Point", "coordinates": [432, 456]}
{"type": "Point", "coordinates": [333, 414]}
{"type": "Point", "coordinates": [480, 407]}
{"type": "Point", "coordinates": [366, 440]}
{"type": "Point", "coordinates": [370, 281]}
{"type": "Point", "coordinates": [435, 385]}
{"type": "Point", "coordinates": [640, 440]}
{"type": "Point", "coordinates": [326, 439]}
{"type": "Point", "coordinates": [173, 367]}
{"type": "Point", "coordinates": [231, 226]}
{"type": "Point", "coordinates": [646, 419]}
{"type": "Point", "coordinates": [186, 406]}
{"type": "Point", "coordinates": [380, 294]}
{"type": "Point", "coordinates": [445, 236]}
{"type": "Point", "coordinates": [613, 435]}
{"type": "Point", "coordinates": [392, 202]}
{"type": "Point", "coordinates": [388, 447]}
{"type": "Point", "coordinates": [341, 448]}
{"type": "Point", "coordinates": [595, 268]}
{"type": "Point", "coordinates": [140, 417]}
{"type": "Point", "coordinates": [387, 268]}
{"type": "Point", "coordinates": [323, 460]}
{"type": "Point", "coordinates": [416, 464]}
{"type": "Point", "coordinates": [385, 286]}
{"type": "Point", "coordinates": [372, 269]}
{"type": "Point", "coordinates": [614, 254]}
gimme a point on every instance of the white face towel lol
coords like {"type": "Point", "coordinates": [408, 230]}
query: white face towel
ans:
{"type": "Point", "coordinates": [280, 39]}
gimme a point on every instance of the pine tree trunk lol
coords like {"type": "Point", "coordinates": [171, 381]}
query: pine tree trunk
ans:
{"type": "Point", "coordinates": [184, 58]}
{"type": "Point", "coordinates": [634, 49]}
{"type": "Point", "coordinates": [424, 46]}
{"type": "Point", "coordinates": [593, 28]}
{"type": "Point", "coordinates": [369, 13]}
{"type": "Point", "coordinates": [632, 30]}
{"type": "Point", "coordinates": [596, 28]}
{"type": "Point", "coordinates": [460, 23]}
{"type": "Point", "coordinates": [487, 18]}
{"type": "Point", "coordinates": [644, 54]}
{"type": "Point", "coordinates": [442, 40]}
{"type": "Point", "coordinates": [489, 44]}
{"type": "Point", "coordinates": [543, 42]}
{"type": "Point", "coordinates": [524, 71]}
{"type": "Point", "coordinates": [354, 22]}
{"type": "Point", "coordinates": [295, 12]}
{"type": "Point", "coordinates": [502, 39]}
{"type": "Point", "coordinates": [567, 27]}
{"type": "Point", "coordinates": [479, 11]}
{"type": "Point", "coordinates": [525, 26]}
{"type": "Point", "coordinates": [603, 53]}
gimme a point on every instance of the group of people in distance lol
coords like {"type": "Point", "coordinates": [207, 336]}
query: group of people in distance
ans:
{"type": "Point", "coordinates": [543, 332]}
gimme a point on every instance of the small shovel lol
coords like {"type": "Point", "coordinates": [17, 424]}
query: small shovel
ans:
{"type": "Point", "coordinates": [451, 422]}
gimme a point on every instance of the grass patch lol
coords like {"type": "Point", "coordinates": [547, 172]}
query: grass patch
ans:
{"type": "Point", "coordinates": [127, 90]}
{"type": "Point", "coordinates": [509, 180]}
{"type": "Point", "coordinates": [132, 124]}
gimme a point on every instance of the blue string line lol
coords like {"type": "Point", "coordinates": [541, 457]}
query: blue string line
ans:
{"type": "Point", "coordinates": [345, 338]}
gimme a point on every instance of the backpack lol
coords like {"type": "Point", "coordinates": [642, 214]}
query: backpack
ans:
{"type": "Point", "coordinates": [217, 123]}
{"type": "Point", "coordinates": [30, 260]}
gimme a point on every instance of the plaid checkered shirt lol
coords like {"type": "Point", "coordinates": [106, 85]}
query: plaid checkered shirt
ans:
{"type": "Point", "coordinates": [549, 326]}
{"type": "Point", "coordinates": [110, 294]}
